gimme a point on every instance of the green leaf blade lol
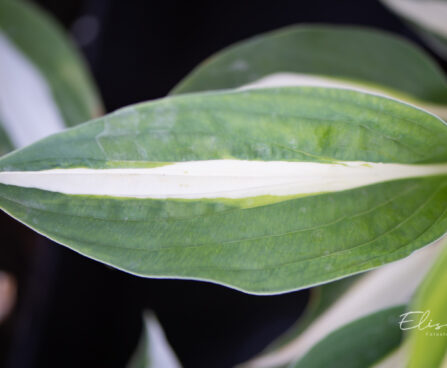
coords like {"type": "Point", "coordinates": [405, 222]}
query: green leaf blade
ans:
{"type": "Point", "coordinates": [269, 257]}
{"type": "Point", "coordinates": [259, 244]}
{"type": "Point", "coordinates": [293, 124]}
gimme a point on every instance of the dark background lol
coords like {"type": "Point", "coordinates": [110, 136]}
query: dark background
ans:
{"type": "Point", "coordinates": [74, 312]}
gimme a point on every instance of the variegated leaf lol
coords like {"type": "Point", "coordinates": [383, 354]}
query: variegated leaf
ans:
{"type": "Point", "coordinates": [262, 190]}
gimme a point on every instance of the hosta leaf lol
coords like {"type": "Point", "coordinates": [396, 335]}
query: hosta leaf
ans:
{"type": "Point", "coordinates": [44, 83]}
{"type": "Point", "coordinates": [153, 350]}
{"type": "Point", "coordinates": [321, 299]}
{"type": "Point", "coordinates": [427, 17]}
{"type": "Point", "coordinates": [317, 54]}
{"type": "Point", "coordinates": [428, 329]}
{"type": "Point", "coordinates": [383, 288]}
{"type": "Point", "coordinates": [277, 68]}
{"type": "Point", "coordinates": [265, 190]}
{"type": "Point", "coordinates": [359, 344]}
{"type": "Point", "coordinates": [5, 143]}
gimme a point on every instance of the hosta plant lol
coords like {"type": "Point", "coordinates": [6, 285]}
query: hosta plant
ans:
{"type": "Point", "coordinates": [291, 160]}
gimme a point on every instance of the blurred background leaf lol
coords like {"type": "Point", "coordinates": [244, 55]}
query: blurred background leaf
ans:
{"type": "Point", "coordinates": [427, 18]}
{"type": "Point", "coordinates": [428, 341]}
{"type": "Point", "coordinates": [153, 350]}
{"type": "Point", "coordinates": [37, 56]}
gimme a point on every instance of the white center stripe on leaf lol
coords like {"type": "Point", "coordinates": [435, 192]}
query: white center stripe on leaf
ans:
{"type": "Point", "coordinates": [218, 178]}
{"type": "Point", "coordinates": [27, 109]}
